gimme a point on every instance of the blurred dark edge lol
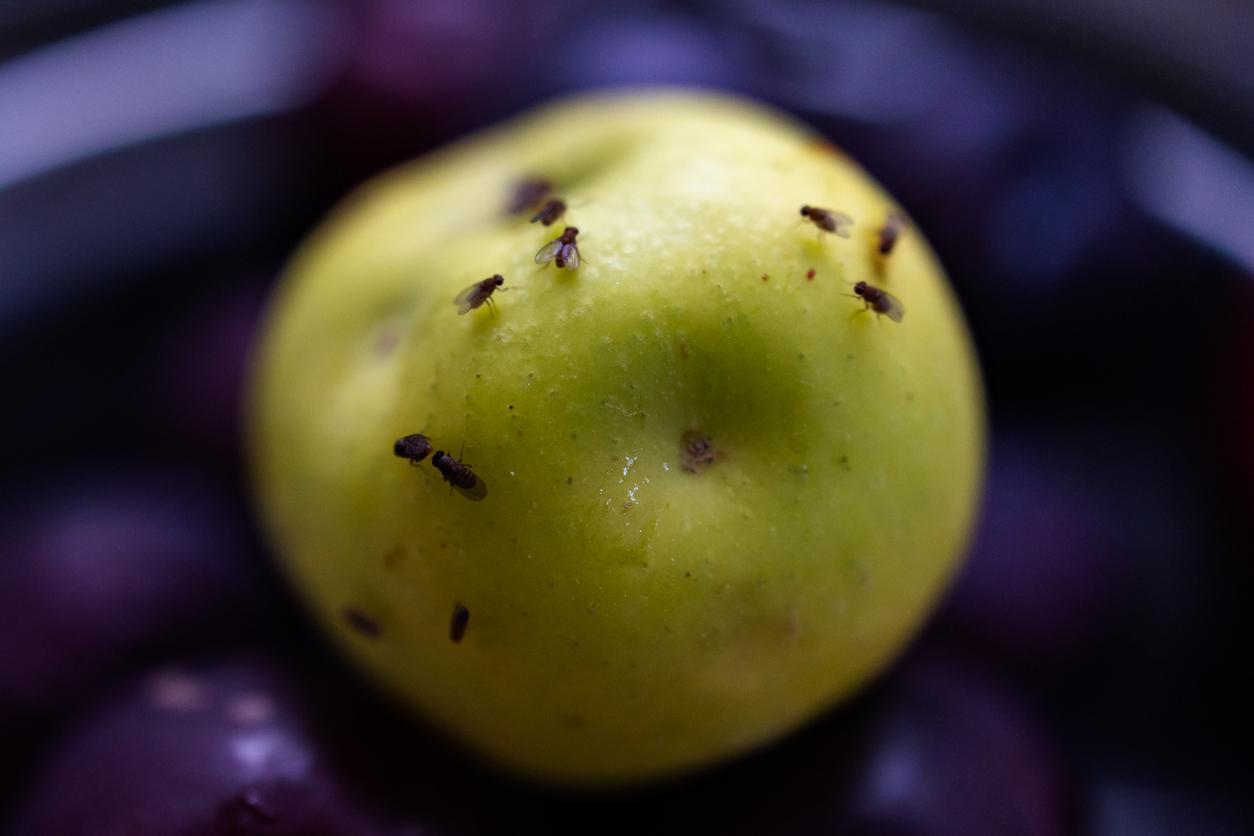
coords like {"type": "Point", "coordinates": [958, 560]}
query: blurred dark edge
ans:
{"type": "Point", "coordinates": [1193, 55]}
{"type": "Point", "coordinates": [26, 24]}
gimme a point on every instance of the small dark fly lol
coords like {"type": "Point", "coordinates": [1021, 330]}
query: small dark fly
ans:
{"type": "Point", "coordinates": [562, 250]}
{"type": "Point", "coordinates": [459, 476]}
{"type": "Point", "coordinates": [414, 447]}
{"type": "Point", "coordinates": [478, 293]}
{"type": "Point", "coordinates": [828, 220]}
{"type": "Point", "coordinates": [890, 232]}
{"type": "Point", "coordinates": [550, 211]}
{"type": "Point", "coordinates": [880, 301]}
{"type": "Point", "coordinates": [528, 194]}
{"type": "Point", "coordinates": [457, 626]}
{"type": "Point", "coordinates": [362, 623]}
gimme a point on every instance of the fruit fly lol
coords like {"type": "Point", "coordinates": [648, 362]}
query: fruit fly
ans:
{"type": "Point", "coordinates": [479, 293]}
{"type": "Point", "coordinates": [890, 232]}
{"type": "Point", "coordinates": [457, 626]}
{"type": "Point", "coordinates": [459, 476]}
{"type": "Point", "coordinates": [562, 250]}
{"type": "Point", "coordinates": [880, 301]}
{"type": "Point", "coordinates": [550, 211]}
{"type": "Point", "coordinates": [828, 220]}
{"type": "Point", "coordinates": [414, 447]}
{"type": "Point", "coordinates": [528, 193]}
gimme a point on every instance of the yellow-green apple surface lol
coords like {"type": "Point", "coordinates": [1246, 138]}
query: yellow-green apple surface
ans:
{"type": "Point", "coordinates": [721, 493]}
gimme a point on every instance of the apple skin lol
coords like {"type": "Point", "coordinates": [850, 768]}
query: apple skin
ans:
{"type": "Point", "coordinates": [629, 620]}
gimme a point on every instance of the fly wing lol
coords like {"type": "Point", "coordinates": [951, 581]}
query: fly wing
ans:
{"type": "Point", "coordinates": [842, 222]}
{"type": "Point", "coordinates": [469, 298]}
{"type": "Point", "coordinates": [549, 251]}
{"type": "Point", "coordinates": [571, 254]}
{"type": "Point", "coordinates": [475, 492]}
{"type": "Point", "coordinates": [893, 309]}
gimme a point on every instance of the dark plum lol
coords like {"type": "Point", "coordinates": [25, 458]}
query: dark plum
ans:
{"type": "Point", "coordinates": [942, 747]}
{"type": "Point", "coordinates": [227, 748]}
{"type": "Point", "coordinates": [420, 71]}
{"type": "Point", "coordinates": [1044, 580]}
{"type": "Point", "coordinates": [98, 569]}
{"type": "Point", "coordinates": [955, 751]}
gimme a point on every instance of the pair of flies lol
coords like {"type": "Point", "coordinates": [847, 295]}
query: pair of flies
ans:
{"type": "Point", "coordinates": [417, 447]}
{"type": "Point", "coordinates": [838, 223]}
{"type": "Point", "coordinates": [537, 193]}
{"type": "Point", "coordinates": [874, 298]}
{"type": "Point", "coordinates": [562, 251]}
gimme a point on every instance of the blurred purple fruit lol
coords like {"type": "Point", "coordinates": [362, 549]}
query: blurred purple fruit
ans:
{"type": "Point", "coordinates": [97, 570]}
{"type": "Point", "coordinates": [648, 49]}
{"type": "Point", "coordinates": [1043, 580]}
{"type": "Point", "coordinates": [954, 752]}
{"type": "Point", "coordinates": [422, 71]}
{"type": "Point", "coordinates": [225, 749]}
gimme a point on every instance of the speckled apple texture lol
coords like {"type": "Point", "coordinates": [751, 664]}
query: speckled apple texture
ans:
{"type": "Point", "coordinates": [629, 620]}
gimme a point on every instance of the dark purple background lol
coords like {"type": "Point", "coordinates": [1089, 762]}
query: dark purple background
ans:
{"type": "Point", "coordinates": [1085, 676]}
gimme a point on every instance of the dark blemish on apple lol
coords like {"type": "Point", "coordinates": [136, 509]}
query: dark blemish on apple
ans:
{"type": "Point", "coordinates": [765, 277]}
{"type": "Point", "coordinates": [457, 625]}
{"type": "Point", "coordinates": [822, 146]}
{"type": "Point", "coordinates": [627, 507]}
{"type": "Point", "coordinates": [444, 545]}
{"type": "Point", "coordinates": [478, 375]}
{"type": "Point", "coordinates": [389, 337]}
{"type": "Point", "coordinates": [910, 396]}
{"type": "Point", "coordinates": [570, 479]}
{"type": "Point", "coordinates": [687, 574]}
{"type": "Point", "coordinates": [394, 557]}
{"type": "Point", "coordinates": [696, 453]}
{"type": "Point", "coordinates": [511, 406]}
{"type": "Point", "coordinates": [362, 623]}
{"type": "Point", "coordinates": [844, 459]}
{"type": "Point", "coordinates": [520, 432]}
{"type": "Point", "coordinates": [683, 351]}
{"type": "Point", "coordinates": [810, 274]}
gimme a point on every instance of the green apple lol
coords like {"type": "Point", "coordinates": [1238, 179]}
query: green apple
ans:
{"type": "Point", "coordinates": [629, 618]}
